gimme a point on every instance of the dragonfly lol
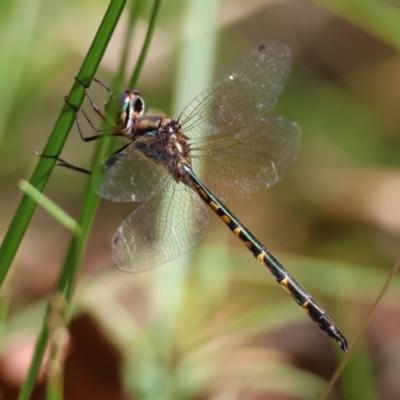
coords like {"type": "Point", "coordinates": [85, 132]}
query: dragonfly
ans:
{"type": "Point", "coordinates": [221, 147]}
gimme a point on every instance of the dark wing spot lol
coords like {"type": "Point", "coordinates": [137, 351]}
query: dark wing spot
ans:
{"type": "Point", "coordinates": [261, 47]}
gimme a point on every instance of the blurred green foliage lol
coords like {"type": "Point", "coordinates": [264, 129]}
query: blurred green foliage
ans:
{"type": "Point", "coordinates": [215, 324]}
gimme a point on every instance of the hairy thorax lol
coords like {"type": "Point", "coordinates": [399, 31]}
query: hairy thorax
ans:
{"type": "Point", "coordinates": [161, 139]}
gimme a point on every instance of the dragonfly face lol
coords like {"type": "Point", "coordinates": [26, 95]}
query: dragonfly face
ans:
{"type": "Point", "coordinates": [129, 106]}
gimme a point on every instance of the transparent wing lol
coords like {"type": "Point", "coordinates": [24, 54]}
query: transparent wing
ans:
{"type": "Point", "coordinates": [161, 229]}
{"type": "Point", "coordinates": [249, 161]}
{"type": "Point", "coordinates": [129, 175]}
{"type": "Point", "coordinates": [243, 96]}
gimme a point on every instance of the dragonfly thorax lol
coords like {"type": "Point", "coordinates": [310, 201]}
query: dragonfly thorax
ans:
{"type": "Point", "coordinates": [161, 139]}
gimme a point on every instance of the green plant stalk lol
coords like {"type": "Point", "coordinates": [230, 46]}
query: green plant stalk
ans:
{"type": "Point", "coordinates": [54, 392]}
{"type": "Point", "coordinates": [136, 8]}
{"type": "Point", "coordinates": [58, 137]}
{"type": "Point", "coordinates": [5, 301]}
{"type": "Point", "coordinates": [59, 338]}
{"type": "Point", "coordinates": [33, 371]}
{"type": "Point", "coordinates": [52, 208]}
{"type": "Point", "coordinates": [41, 175]}
{"type": "Point", "coordinates": [150, 31]}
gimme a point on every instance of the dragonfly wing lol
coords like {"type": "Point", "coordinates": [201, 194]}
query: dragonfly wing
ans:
{"type": "Point", "coordinates": [243, 96]}
{"type": "Point", "coordinates": [252, 160]}
{"type": "Point", "coordinates": [128, 175]}
{"type": "Point", "coordinates": [161, 229]}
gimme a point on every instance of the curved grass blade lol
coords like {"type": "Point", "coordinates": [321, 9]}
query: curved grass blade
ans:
{"type": "Point", "coordinates": [52, 208]}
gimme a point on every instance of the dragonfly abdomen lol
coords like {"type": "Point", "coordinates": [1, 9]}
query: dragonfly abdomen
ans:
{"type": "Point", "coordinates": [281, 275]}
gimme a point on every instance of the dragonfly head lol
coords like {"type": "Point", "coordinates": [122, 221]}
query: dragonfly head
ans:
{"type": "Point", "coordinates": [129, 106]}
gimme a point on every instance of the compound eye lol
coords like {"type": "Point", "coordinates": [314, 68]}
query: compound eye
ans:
{"type": "Point", "coordinates": [124, 110]}
{"type": "Point", "coordinates": [124, 100]}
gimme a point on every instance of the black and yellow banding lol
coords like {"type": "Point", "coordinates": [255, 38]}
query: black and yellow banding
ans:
{"type": "Point", "coordinates": [279, 272]}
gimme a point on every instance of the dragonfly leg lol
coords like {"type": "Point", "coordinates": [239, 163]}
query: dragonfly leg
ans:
{"type": "Point", "coordinates": [63, 163]}
{"type": "Point", "coordinates": [104, 85]}
{"type": "Point", "coordinates": [78, 124]}
{"type": "Point", "coordinates": [91, 101]}
{"type": "Point", "coordinates": [96, 109]}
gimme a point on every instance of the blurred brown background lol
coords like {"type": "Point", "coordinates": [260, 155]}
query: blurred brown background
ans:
{"type": "Point", "coordinates": [214, 325]}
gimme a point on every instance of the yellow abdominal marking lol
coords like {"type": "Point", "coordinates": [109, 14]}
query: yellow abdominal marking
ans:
{"type": "Point", "coordinates": [237, 231]}
{"type": "Point", "coordinates": [284, 284]}
{"type": "Point", "coordinates": [304, 305]}
{"type": "Point", "coordinates": [213, 206]}
{"type": "Point", "coordinates": [226, 219]}
{"type": "Point", "coordinates": [202, 193]}
{"type": "Point", "coordinates": [260, 258]}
